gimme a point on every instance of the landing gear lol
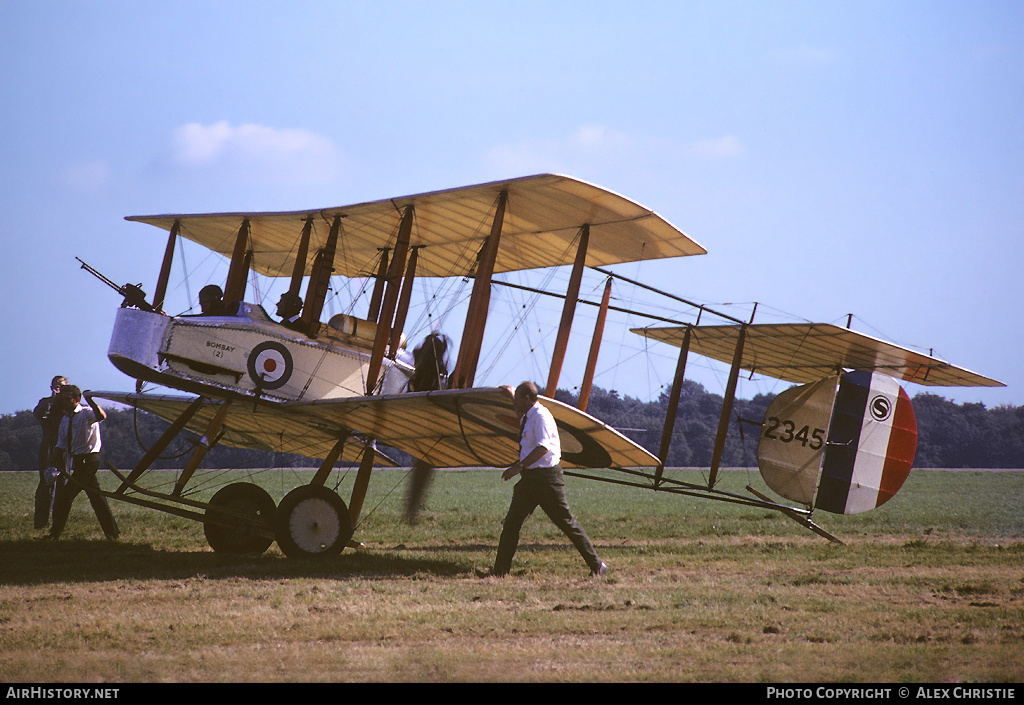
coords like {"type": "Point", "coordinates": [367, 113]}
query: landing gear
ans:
{"type": "Point", "coordinates": [240, 519]}
{"type": "Point", "coordinates": [312, 522]}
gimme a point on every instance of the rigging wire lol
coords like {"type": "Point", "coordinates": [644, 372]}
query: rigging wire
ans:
{"type": "Point", "coordinates": [521, 317]}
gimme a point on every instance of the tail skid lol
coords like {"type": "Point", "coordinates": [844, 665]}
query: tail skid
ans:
{"type": "Point", "coordinates": [800, 519]}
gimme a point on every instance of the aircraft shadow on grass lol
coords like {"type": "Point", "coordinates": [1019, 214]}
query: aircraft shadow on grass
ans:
{"type": "Point", "coordinates": [31, 562]}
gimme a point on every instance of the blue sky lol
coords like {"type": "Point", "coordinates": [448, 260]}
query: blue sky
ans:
{"type": "Point", "coordinates": [833, 157]}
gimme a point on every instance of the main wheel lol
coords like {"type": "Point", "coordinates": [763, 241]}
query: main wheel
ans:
{"type": "Point", "coordinates": [240, 519]}
{"type": "Point", "coordinates": [312, 521]}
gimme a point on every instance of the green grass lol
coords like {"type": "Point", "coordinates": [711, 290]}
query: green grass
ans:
{"type": "Point", "coordinates": [927, 588]}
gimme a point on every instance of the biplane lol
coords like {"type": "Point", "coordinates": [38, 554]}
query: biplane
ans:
{"type": "Point", "coordinates": [346, 390]}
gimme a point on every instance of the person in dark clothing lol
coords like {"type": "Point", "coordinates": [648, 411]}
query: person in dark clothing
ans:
{"type": "Point", "coordinates": [211, 300]}
{"type": "Point", "coordinates": [289, 308]}
{"type": "Point", "coordinates": [430, 361]}
{"type": "Point", "coordinates": [49, 413]}
{"type": "Point", "coordinates": [78, 454]}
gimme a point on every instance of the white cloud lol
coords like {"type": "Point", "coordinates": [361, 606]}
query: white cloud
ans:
{"type": "Point", "coordinates": [273, 153]}
{"type": "Point", "coordinates": [197, 145]}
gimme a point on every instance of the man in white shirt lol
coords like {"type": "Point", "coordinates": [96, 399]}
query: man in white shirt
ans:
{"type": "Point", "coordinates": [78, 455]}
{"type": "Point", "coordinates": [541, 484]}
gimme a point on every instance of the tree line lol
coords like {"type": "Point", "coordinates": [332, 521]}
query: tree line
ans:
{"type": "Point", "coordinates": [950, 435]}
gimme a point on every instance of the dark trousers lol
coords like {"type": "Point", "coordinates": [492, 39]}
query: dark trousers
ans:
{"type": "Point", "coordinates": [83, 477]}
{"type": "Point", "coordinates": [544, 488]}
{"type": "Point", "coordinates": [45, 492]}
{"type": "Point", "coordinates": [47, 487]}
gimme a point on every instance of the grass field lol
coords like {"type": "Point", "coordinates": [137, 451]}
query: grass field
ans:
{"type": "Point", "coordinates": [928, 588]}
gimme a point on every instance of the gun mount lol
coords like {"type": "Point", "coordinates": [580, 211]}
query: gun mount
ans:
{"type": "Point", "coordinates": [134, 296]}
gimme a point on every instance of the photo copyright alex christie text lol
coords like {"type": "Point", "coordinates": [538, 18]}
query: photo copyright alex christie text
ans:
{"type": "Point", "coordinates": [960, 692]}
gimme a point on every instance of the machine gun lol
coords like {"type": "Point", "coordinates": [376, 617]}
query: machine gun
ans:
{"type": "Point", "coordinates": [133, 294]}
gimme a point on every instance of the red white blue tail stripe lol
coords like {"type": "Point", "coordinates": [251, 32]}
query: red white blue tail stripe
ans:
{"type": "Point", "coordinates": [872, 440]}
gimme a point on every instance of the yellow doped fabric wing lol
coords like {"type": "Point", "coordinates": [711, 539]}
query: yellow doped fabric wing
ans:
{"type": "Point", "coordinates": [805, 352]}
{"type": "Point", "coordinates": [542, 220]}
{"type": "Point", "coordinates": [449, 428]}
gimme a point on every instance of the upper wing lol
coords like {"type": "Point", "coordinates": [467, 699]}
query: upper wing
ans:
{"type": "Point", "coordinates": [450, 428]}
{"type": "Point", "coordinates": [805, 352]}
{"type": "Point", "coordinates": [542, 219]}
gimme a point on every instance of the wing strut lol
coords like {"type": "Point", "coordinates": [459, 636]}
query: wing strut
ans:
{"type": "Point", "coordinates": [300, 257]}
{"type": "Point", "coordinates": [161, 444]}
{"type": "Point", "coordinates": [730, 396]}
{"type": "Point", "coordinates": [165, 268]}
{"type": "Point", "coordinates": [329, 462]}
{"type": "Point", "coordinates": [378, 286]}
{"type": "Point", "coordinates": [362, 483]}
{"type": "Point", "coordinates": [476, 316]}
{"type": "Point", "coordinates": [568, 311]}
{"type": "Point", "coordinates": [234, 287]}
{"type": "Point", "coordinates": [387, 313]}
{"type": "Point", "coordinates": [320, 279]}
{"type": "Point", "coordinates": [595, 346]}
{"type": "Point", "coordinates": [673, 406]}
{"type": "Point", "coordinates": [206, 442]}
{"type": "Point", "coordinates": [403, 302]}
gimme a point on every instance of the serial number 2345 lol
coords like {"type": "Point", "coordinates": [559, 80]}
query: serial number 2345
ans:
{"type": "Point", "coordinates": [785, 430]}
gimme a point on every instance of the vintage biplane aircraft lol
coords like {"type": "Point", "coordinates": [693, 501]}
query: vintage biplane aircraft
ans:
{"type": "Point", "coordinates": [340, 391]}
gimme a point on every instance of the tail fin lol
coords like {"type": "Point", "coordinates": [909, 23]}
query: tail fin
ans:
{"type": "Point", "coordinates": [844, 444]}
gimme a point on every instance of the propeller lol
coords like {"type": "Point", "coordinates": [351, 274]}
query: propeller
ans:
{"type": "Point", "coordinates": [431, 363]}
{"type": "Point", "coordinates": [420, 479]}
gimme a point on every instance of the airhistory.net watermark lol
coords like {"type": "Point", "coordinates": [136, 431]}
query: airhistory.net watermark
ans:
{"type": "Point", "coordinates": [54, 693]}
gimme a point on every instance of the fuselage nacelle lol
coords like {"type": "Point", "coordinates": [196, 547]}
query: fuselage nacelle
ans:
{"type": "Point", "coordinates": [248, 354]}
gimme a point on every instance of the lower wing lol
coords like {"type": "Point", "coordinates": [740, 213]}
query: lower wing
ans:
{"type": "Point", "coordinates": [448, 428]}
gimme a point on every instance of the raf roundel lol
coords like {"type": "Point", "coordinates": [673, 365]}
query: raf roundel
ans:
{"type": "Point", "coordinates": [270, 365]}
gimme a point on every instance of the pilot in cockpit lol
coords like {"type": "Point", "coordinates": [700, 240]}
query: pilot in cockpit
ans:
{"type": "Point", "coordinates": [431, 364]}
{"type": "Point", "coordinates": [289, 308]}
{"type": "Point", "coordinates": [211, 300]}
